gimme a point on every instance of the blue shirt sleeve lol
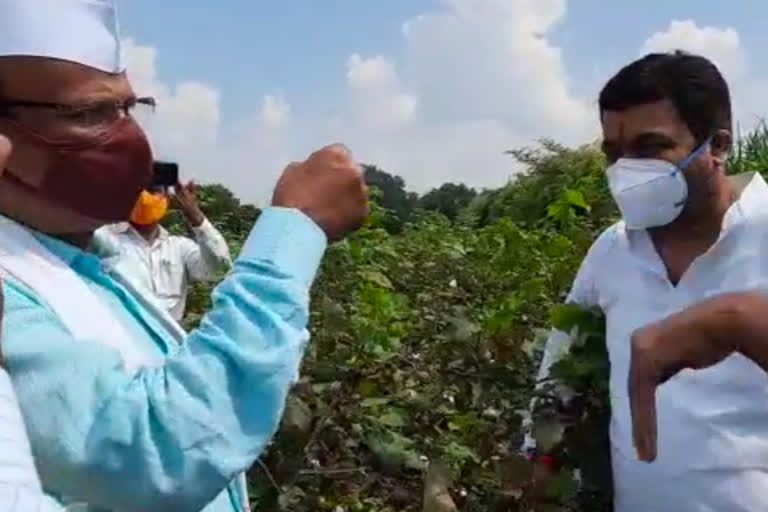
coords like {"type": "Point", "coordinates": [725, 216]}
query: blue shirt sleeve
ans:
{"type": "Point", "coordinates": [174, 437]}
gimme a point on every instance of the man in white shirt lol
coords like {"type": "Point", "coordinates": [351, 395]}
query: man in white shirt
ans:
{"type": "Point", "coordinates": [162, 263]}
{"type": "Point", "coordinates": [689, 234]}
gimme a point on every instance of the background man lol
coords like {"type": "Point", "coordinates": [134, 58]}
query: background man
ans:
{"type": "Point", "coordinates": [163, 263]}
{"type": "Point", "coordinates": [124, 410]}
{"type": "Point", "coordinates": [688, 233]}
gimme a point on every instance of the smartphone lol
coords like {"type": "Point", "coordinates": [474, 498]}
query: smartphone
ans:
{"type": "Point", "coordinates": [165, 174]}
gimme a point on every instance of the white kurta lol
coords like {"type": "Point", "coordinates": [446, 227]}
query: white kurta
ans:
{"type": "Point", "coordinates": [20, 489]}
{"type": "Point", "coordinates": [713, 423]}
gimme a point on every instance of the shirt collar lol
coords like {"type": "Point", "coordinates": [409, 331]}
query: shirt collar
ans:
{"type": "Point", "coordinates": [126, 228]}
{"type": "Point", "coordinates": [753, 200]}
{"type": "Point", "coordinates": [68, 253]}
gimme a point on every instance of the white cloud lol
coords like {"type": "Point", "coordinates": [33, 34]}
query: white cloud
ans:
{"type": "Point", "coordinates": [476, 77]}
{"type": "Point", "coordinates": [378, 97]}
{"type": "Point", "coordinates": [186, 128]}
{"type": "Point", "coordinates": [257, 149]}
{"type": "Point", "coordinates": [723, 46]}
{"type": "Point", "coordinates": [372, 73]}
{"type": "Point", "coordinates": [491, 59]}
{"type": "Point", "coordinates": [275, 111]}
{"type": "Point", "coordinates": [186, 124]}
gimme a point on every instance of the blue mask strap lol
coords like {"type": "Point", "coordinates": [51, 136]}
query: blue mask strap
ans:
{"type": "Point", "coordinates": [693, 156]}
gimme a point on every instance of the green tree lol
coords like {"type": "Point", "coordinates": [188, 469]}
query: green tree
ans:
{"type": "Point", "coordinates": [550, 171]}
{"type": "Point", "coordinates": [392, 196]}
{"type": "Point", "coordinates": [450, 199]}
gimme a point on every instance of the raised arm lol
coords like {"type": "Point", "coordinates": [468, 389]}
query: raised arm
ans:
{"type": "Point", "coordinates": [173, 437]}
{"type": "Point", "coordinates": [209, 252]}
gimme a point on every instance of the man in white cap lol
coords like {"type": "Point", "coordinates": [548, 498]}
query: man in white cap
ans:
{"type": "Point", "coordinates": [124, 411]}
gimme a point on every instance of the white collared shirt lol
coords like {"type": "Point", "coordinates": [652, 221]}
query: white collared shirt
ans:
{"type": "Point", "coordinates": [20, 489]}
{"type": "Point", "coordinates": [166, 266]}
{"type": "Point", "coordinates": [712, 423]}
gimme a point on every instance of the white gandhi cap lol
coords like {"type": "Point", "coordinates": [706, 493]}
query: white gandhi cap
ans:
{"type": "Point", "coordinates": [81, 31]}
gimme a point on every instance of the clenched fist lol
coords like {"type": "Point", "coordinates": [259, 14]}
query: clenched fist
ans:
{"type": "Point", "coordinates": [329, 188]}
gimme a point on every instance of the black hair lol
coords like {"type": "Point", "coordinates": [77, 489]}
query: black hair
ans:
{"type": "Point", "coordinates": [691, 83]}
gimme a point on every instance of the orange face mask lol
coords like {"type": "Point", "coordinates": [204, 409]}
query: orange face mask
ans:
{"type": "Point", "coordinates": [149, 209]}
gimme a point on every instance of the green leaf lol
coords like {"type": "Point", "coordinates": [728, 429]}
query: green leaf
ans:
{"type": "Point", "coordinates": [377, 278]}
{"type": "Point", "coordinates": [394, 451]}
{"type": "Point", "coordinates": [392, 419]}
{"type": "Point", "coordinates": [565, 317]}
{"type": "Point", "coordinates": [464, 422]}
{"type": "Point", "coordinates": [576, 198]}
{"type": "Point", "coordinates": [368, 389]}
{"type": "Point", "coordinates": [374, 402]}
{"type": "Point", "coordinates": [557, 210]}
{"type": "Point", "coordinates": [459, 453]}
{"type": "Point", "coordinates": [562, 487]}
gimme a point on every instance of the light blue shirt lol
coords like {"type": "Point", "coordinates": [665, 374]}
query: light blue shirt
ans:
{"type": "Point", "coordinates": [174, 437]}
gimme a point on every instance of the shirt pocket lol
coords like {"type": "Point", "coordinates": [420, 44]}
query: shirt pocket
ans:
{"type": "Point", "coordinates": [169, 277]}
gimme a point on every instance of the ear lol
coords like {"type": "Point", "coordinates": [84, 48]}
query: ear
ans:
{"type": "Point", "coordinates": [721, 144]}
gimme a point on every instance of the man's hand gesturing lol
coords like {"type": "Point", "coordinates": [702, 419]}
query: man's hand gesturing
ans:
{"type": "Point", "coordinates": [329, 188]}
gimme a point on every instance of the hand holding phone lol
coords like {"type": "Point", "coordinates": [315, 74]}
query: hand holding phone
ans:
{"type": "Point", "coordinates": [165, 174]}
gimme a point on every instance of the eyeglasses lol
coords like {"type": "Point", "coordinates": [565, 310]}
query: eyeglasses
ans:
{"type": "Point", "coordinates": [61, 120]}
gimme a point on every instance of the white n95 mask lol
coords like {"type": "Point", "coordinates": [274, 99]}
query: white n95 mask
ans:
{"type": "Point", "coordinates": [650, 192]}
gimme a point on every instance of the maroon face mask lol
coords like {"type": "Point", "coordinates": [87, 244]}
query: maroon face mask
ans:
{"type": "Point", "coordinates": [100, 177]}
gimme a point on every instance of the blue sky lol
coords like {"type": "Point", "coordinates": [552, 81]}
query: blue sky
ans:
{"type": "Point", "coordinates": [472, 77]}
{"type": "Point", "coordinates": [250, 48]}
